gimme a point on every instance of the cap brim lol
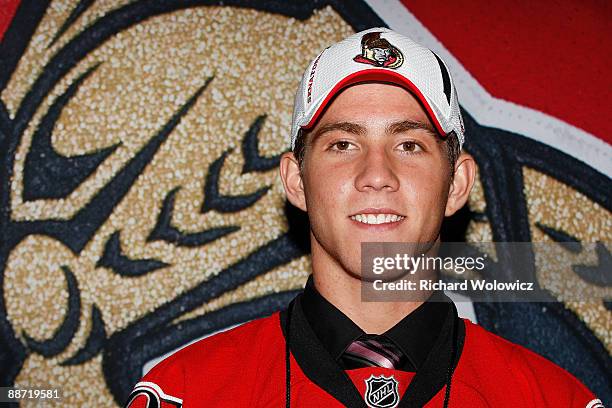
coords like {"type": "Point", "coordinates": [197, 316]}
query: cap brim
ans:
{"type": "Point", "coordinates": [379, 75]}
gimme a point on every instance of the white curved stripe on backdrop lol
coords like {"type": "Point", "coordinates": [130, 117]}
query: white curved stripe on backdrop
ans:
{"type": "Point", "coordinates": [494, 112]}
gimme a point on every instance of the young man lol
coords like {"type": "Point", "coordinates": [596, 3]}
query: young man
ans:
{"type": "Point", "coordinates": [376, 157]}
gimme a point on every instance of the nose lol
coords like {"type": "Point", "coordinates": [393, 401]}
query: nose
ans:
{"type": "Point", "coordinates": [376, 172]}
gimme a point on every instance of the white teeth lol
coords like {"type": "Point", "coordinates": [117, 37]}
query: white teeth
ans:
{"type": "Point", "coordinates": [377, 219]}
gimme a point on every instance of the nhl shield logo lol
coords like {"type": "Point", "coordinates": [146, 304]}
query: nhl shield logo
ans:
{"type": "Point", "coordinates": [381, 392]}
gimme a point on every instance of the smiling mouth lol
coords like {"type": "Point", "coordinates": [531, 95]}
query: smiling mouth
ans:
{"type": "Point", "coordinates": [376, 219]}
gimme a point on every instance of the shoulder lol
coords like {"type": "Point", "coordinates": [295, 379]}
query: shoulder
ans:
{"type": "Point", "coordinates": [222, 349]}
{"type": "Point", "coordinates": [535, 374]}
{"type": "Point", "coordinates": [244, 338]}
{"type": "Point", "coordinates": [214, 359]}
{"type": "Point", "coordinates": [515, 354]}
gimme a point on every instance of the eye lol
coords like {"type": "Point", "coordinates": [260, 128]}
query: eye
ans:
{"type": "Point", "coordinates": [410, 146]}
{"type": "Point", "coordinates": [341, 145]}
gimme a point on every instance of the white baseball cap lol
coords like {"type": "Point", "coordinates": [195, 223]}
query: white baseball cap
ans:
{"type": "Point", "coordinates": [378, 54]}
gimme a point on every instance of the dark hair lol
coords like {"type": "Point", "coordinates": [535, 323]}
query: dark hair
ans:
{"type": "Point", "coordinates": [299, 148]}
{"type": "Point", "coordinates": [453, 150]}
{"type": "Point", "coordinates": [451, 143]}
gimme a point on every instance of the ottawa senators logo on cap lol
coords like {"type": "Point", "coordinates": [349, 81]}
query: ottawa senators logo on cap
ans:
{"type": "Point", "coordinates": [379, 52]}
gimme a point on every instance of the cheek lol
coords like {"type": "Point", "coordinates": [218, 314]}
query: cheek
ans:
{"type": "Point", "coordinates": [429, 193]}
{"type": "Point", "coordinates": [324, 193]}
{"type": "Point", "coordinates": [432, 191]}
{"type": "Point", "coordinates": [329, 179]}
{"type": "Point", "coordinates": [329, 199]}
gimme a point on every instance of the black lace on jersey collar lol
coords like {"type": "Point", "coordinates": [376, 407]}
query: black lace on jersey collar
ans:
{"type": "Point", "coordinates": [319, 366]}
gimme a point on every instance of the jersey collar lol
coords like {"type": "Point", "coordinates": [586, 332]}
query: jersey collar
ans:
{"type": "Point", "coordinates": [323, 370]}
{"type": "Point", "coordinates": [415, 334]}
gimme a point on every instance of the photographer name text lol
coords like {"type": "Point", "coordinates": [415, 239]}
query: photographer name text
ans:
{"type": "Point", "coordinates": [433, 284]}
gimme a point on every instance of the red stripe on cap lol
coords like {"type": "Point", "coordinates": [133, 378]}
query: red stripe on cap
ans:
{"type": "Point", "coordinates": [381, 75]}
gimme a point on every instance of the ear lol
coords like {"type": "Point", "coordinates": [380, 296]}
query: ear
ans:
{"type": "Point", "coordinates": [459, 191]}
{"type": "Point", "coordinates": [292, 180]}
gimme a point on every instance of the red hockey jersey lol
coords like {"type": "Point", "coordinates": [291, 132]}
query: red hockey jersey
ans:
{"type": "Point", "coordinates": [245, 367]}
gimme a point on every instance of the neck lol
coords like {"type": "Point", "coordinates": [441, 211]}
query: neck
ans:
{"type": "Point", "coordinates": [343, 289]}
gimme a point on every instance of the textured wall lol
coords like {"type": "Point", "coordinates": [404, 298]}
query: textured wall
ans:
{"type": "Point", "coordinates": [141, 204]}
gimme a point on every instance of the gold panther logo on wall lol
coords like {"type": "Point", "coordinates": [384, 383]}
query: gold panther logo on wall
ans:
{"type": "Point", "coordinates": [150, 167]}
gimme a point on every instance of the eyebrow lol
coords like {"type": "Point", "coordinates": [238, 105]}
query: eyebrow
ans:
{"type": "Point", "coordinates": [348, 127]}
{"type": "Point", "coordinates": [357, 129]}
{"type": "Point", "coordinates": [404, 125]}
